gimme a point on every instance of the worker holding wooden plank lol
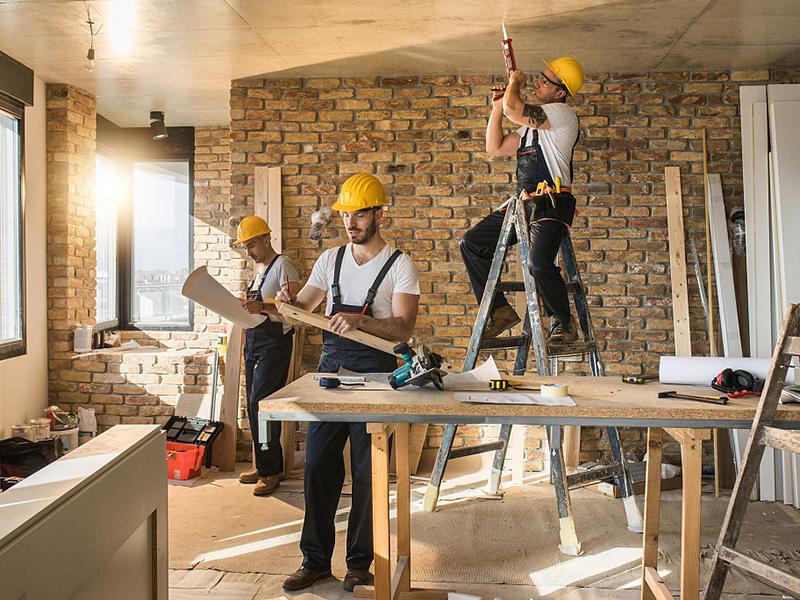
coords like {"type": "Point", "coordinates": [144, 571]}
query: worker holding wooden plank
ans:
{"type": "Point", "coordinates": [371, 287]}
{"type": "Point", "coordinates": [267, 348]}
{"type": "Point", "coordinates": [543, 146]}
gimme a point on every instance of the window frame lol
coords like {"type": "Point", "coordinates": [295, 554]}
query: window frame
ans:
{"type": "Point", "coordinates": [119, 165]}
{"type": "Point", "coordinates": [18, 347]}
{"type": "Point", "coordinates": [125, 241]}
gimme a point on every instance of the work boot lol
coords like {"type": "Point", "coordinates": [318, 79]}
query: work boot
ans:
{"type": "Point", "coordinates": [303, 578]}
{"type": "Point", "coordinates": [356, 577]}
{"type": "Point", "coordinates": [562, 333]}
{"type": "Point", "coordinates": [249, 477]}
{"type": "Point", "coordinates": [500, 319]}
{"type": "Point", "coordinates": [267, 485]}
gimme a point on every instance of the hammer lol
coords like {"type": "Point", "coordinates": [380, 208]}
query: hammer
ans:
{"type": "Point", "coordinates": [709, 399]}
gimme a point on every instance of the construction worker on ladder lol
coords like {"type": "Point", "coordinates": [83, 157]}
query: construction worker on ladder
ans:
{"type": "Point", "coordinates": [543, 146]}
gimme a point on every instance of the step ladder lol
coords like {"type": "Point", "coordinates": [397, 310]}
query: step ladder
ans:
{"type": "Point", "coordinates": [546, 364]}
{"type": "Point", "coordinates": [763, 434]}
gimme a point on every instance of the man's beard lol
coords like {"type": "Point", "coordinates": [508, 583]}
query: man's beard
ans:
{"type": "Point", "coordinates": [365, 235]}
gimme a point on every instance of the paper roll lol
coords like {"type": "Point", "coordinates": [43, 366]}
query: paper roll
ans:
{"type": "Point", "coordinates": [554, 390]}
{"type": "Point", "coordinates": [201, 287]}
{"type": "Point", "coordinates": [700, 370]}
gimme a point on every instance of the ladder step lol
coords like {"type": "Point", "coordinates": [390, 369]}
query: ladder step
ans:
{"type": "Point", "coordinates": [479, 449]}
{"type": "Point", "coordinates": [512, 341]}
{"type": "Point", "coordinates": [574, 349]}
{"type": "Point", "coordinates": [782, 439]}
{"type": "Point", "coordinates": [775, 578]}
{"type": "Point", "coordinates": [792, 345]}
{"type": "Point", "coordinates": [609, 472]}
{"type": "Point", "coordinates": [511, 286]}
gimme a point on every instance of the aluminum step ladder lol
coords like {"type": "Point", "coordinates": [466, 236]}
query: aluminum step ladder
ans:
{"type": "Point", "coordinates": [546, 364]}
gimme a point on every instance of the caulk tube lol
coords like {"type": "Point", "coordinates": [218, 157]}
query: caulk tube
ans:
{"type": "Point", "coordinates": [508, 52]}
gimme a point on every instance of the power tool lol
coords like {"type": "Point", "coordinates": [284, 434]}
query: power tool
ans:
{"type": "Point", "coordinates": [419, 368]}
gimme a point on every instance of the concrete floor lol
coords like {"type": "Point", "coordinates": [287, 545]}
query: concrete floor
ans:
{"type": "Point", "coordinates": [227, 544]}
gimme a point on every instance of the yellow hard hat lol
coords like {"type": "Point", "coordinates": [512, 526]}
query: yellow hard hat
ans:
{"type": "Point", "coordinates": [251, 227]}
{"type": "Point", "coordinates": [569, 71]}
{"type": "Point", "coordinates": [359, 192]}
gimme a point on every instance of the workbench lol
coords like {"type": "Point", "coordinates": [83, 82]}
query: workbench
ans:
{"type": "Point", "coordinates": [600, 401]}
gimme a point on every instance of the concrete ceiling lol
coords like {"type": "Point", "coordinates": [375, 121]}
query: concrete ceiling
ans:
{"type": "Point", "coordinates": [179, 56]}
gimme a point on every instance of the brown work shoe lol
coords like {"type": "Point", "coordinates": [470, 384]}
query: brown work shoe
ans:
{"type": "Point", "coordinates": [303, 578]}
{"type": "Point", "coordinates": [249, 477]}
{"type": "Point", "coordinates": [499, 320]}
{"type": "Point", "coordinates": [563, 333]}
{"type": "Point", "coordinates": [356, 577]}
{"type": "Point", "coordinates": [267, 485]}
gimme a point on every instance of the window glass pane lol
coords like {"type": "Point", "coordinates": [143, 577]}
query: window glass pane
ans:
{"type": "Point", "coordinates": [106, 197]}
{"type": "Point", "coordinates": [10, 231]}
{"type": "Point", "coordinates": [161, 233]}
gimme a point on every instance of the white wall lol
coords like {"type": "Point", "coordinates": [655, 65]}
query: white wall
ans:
{"type": "Point", "coordinates": [23, 379]}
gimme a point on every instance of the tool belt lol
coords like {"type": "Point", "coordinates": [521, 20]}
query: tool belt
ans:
{"type": "Point", "coordinates": [552, 203]}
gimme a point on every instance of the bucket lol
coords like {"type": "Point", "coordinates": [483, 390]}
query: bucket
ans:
{"type": "Point", "coordinates": [83, 338]}
{"type": "Point", "coordinates": [69, 438]}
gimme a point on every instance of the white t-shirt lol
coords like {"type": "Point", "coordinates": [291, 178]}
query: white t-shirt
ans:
{"type": "Point", "coordinates": [558, 141]}
{"type": "Point", "coordinates": [282, 271]}
{"type": "Point", "coordinates": [355, 280]}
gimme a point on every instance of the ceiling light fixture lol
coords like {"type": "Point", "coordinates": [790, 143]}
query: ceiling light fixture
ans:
{"type": "Point", "coordinates": [157, 127]}
{"type": "Point", "coordinates": [89, 64]}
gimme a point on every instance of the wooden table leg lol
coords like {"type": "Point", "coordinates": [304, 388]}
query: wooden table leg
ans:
{"type": "Point", "coordinates": [652, 508]}
{"type": "Point", "coordinates": [380, 510]}
{"type": "Point", "coordinates": [402, 439]}
{"type": "Point", "coordinates": [692, 462]}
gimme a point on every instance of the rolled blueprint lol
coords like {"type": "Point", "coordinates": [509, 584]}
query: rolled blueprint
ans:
{"type": "Point", "coordinates": [700, 370]}
{"type": "Point", "coordinates": [201, 287]}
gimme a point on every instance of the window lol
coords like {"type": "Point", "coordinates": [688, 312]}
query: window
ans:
{"type": "Point", "coordinates": [107, 194]}
{"type": "Point", "coordinates": [161, 244]}
{"type": "Point", "coordinates": [12, 289]}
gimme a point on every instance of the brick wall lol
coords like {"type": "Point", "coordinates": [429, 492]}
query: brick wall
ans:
{"type": "Point", "coordinates": [424, 138]}
{"type": "Point", "coordinates": [71, 261]}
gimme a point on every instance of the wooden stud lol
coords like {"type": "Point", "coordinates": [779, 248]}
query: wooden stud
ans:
{"type": "Point", "coordinates": [289, 428]}
{"type": "Point", "coordinates": [687, 436]}
{"type": "Point", "coordinates": [572, 446]}
{"type": "Point", "coordinates": [677, 262]}
{"type": "Point", "coordinates": [267, 202]}
{"type": "Point", "coordinates": [380, 513]}
{"type": "Point", "coordinates": [692, 462]}
{"type": "Point", "coordinates": [652, 508]}
{"type": "Point", "coordinates": [653, 582]}
{"type": "Point", "coordinates": [224, 447]}
{"type": "Point", "coordinates": [402, 442]}
{"type": "Point", "coordinates": [419, 433]}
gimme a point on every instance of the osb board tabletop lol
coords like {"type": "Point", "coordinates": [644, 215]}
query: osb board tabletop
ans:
{"type": "Point", "coordinates": [599, 400]}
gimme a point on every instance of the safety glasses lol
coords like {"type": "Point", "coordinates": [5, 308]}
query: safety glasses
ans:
{"type": "Point", "coordinates": [549, 81]}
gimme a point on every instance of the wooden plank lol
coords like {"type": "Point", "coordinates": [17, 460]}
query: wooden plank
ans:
{"type": "Point", "coordinates": [267, 202]}
{"type": "Point", "coordinates": [380, 514]}
{"type": "Point", "coordinates": [224, 447]}
{"type": "Point", "coordinates": [322, 322]}
{"type": "Point", "coordinates": [692, 462]}
{"type": "Point", "coordinates": [781, 438]}
{"type": "Point", "coordinates": [652, 509]}
{"type": "Point", "coordinates": [775, 578]}
{"type": "Point", "coordinates": [402, 442]}
{"type": "Point", "coordinates": [723, 268]}
{"type": "Point", "coordinates": [419, 433]}
{"type": "Point", "coordinates": [792, 345]}
{"type": "Point", "coordinates": [655, 586]}
{"type": "Point", "coordinates": [289, 428]}
{"type": "Point", "coordinates": [687, 436]}
{"type": "Point", "coordinates": [677, 262]}
{"type": "Point", "coordinates": [571, 446]}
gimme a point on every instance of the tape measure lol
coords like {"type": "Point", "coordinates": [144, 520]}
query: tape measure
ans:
{"type": "Point", "coordinates": [499, 384]}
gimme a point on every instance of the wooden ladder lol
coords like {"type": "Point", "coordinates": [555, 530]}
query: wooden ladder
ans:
{"type": "Point", "coordinates": [763, 434]}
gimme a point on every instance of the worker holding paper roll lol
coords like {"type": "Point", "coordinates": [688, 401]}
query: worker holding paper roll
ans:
{"type": "Point", "coordinates": [267, 348]}
{"type": "Point", "coordinates": [543, 147]}
{"type": "Point", "coordinates": [374, 288]}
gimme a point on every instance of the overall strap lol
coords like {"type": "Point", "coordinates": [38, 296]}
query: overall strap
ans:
{"type": "Point", "coordinates": [264, 274]}
{"type": "Point", "coordinates": [337, 269]}
{"type": "Point", "coordinates": [379, 279]}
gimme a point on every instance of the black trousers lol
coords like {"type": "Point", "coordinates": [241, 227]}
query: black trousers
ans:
{"type": "Point", "coordinates": [266, 368]}
{"type": "Point", "coordinates": [324, 469]}
{"type": "Point", "coordinates": [477, 250]}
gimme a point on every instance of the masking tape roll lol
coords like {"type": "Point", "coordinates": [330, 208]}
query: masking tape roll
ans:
{"type": "Point", "coordinates": [554, 390]}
